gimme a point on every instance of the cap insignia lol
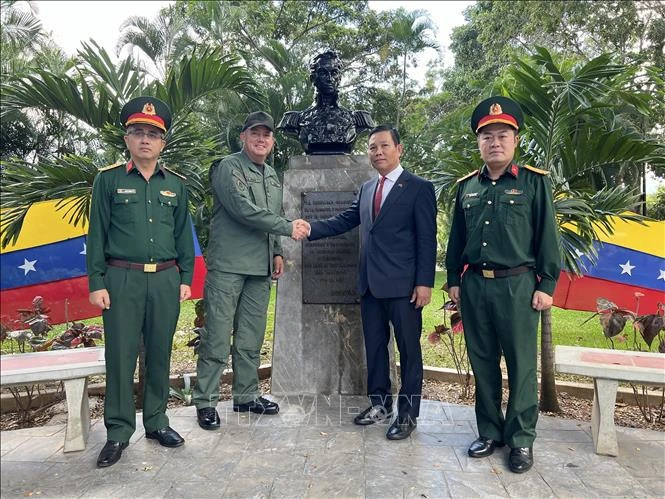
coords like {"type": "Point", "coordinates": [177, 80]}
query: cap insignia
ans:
{"type": "Point", "coordinates": [495, 109]}
{"type": "Point", "coordinates": [149, 108]}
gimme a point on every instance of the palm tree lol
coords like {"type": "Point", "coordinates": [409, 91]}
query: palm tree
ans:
{"type": "Point", "coordinates": [21, 34]}
{"type": "Point", "coordinates": [94, 100]}
{"type": "Point", "coordinates": [411, 32]}
{"type": "Point", "coordinates": [574, 130]}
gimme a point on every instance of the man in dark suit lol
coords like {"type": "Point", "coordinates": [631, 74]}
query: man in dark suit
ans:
{"type": "Point", "coordinates": [396, 212]}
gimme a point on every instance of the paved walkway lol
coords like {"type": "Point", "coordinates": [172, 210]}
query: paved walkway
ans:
{"type": "Point", "coordinates": [312, 449]}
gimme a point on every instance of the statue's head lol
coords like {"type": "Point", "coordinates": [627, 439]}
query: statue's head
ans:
{"type": "Point", "coordinates": [325, 72]}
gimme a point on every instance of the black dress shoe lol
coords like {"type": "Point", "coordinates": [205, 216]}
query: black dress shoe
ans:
{"type": "Point", "coordinates": [401, 428]}
{"type": "Point", "coordinates": [208, 418]}
{"type": "Point", "coordinates": [110, 453]}
{"type": "Point", "coordinates": [373, 414]}
{"type": "Point", "coordinates": [483, 447]}
{"type": "Point", "coordinates": [259, 406]}
{"type": "Point", "coordinates": [521, 459]}
{"type": "Point", "coordinates": [167, 437]}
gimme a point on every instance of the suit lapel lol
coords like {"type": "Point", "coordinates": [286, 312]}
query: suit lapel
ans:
{"type": "Point", "coordinates": [368, 199]}
{"type": "Point", "coordinates": [394, 194]}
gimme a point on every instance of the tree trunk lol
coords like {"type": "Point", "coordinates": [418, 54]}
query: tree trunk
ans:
{"type": "Point", "coordinates": [401, 100]}
{"type": "Point", "coordinates": [548, 398]}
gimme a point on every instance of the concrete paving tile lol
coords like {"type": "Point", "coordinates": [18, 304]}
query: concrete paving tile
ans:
{"type": "Point", "coordinates": [35, 449]}
{"type": "Point", "coordinates": [139, 488]}
{"type": "Point", "coordinates": [388, 491]}
{"type": "Point", "coordinates": [422, 491]}
{"type": "Point", "coordinates": [429, 458]}
{"type": "Point", "coordinates": [564, 435]}
{"type": "Point", "coordinates": [273, 439]}
{"type": "Point", "coordinates": [610, 479]}
{"type": "Point", "coordinates": [333, 463]}
{"type": "Point", "coordinates": [552, 423]}
{"type": "Point", "coordinates": [642, 459]}
{"type": "Point", "coordinates": [625, 434]}
{"type": "Point", "coordinates": [9, 440]}
{"type": "Point", "coordinates": [563, 482]}
{"type": "Point", "coordinates": [333, 439]}
{"type": "Point", "coordinates": [445, 427]}
{"type": "Point", "coordinates": [273, 464]}
{"type": "Point", "coordinates": [459, 412]}
{"type": "Point", "coordinates": [421, 437]}
{"type": "Point", "coordinates": [213, 467]}
{"type": "Point", "coordinates": [62, 492]}
{"type": "Point", "coordinates": [183, 489]}
{"type": "Point", "coordinates": [654, 485]}
{"type": "Point", "coordinates": [344, 485]}
{"type": "Point", "coordinates": [529, 484]}
{"type": "Point", "coordinates": [248, 485]}
{"type": "Point", "coordinates": [470, 464]}
{"type": "Point", "coordinates": [560, 455]}
{"type": "Point", "coordinates": [389, 474]}
{"type": "Point", "coordinates": [287, 487]}
{"type": "Point", "coordinates": [474, 484]}
{"type": "Point", "coordinates": [21, 474]}
{"type": "Point", "coordinates": [41, 431]}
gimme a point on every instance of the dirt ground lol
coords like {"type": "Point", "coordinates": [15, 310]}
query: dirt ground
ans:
{"type": "Point", "coordinates": [571, 407]}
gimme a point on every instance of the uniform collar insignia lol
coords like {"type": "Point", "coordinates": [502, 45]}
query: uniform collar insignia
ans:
{"type": "Point", "coordinates": [129, 166]}
{"type": "Point", "coordinates": [514, 170]}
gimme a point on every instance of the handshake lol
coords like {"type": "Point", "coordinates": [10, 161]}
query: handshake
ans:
{"type": "Point", "coordinates": [300, 229]}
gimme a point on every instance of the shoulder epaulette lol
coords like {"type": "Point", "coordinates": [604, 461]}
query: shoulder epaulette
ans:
{"type": "Point", "coordinates": [174, 172]}
{"type": "Point", "coordinates": [467, 176]}
{"type": "Point", "coordinates": [111, 167]}
{"type": "Point", "coordinates": [536, 170]}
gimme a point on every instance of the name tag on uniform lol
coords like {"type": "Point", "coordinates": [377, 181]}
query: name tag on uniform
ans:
{"type": "Point", "coordinates": [471, 194]}
{"type": "Point", "coordinates": [168, 194]}
{"type": "Point", "coordinates": [513, 192]}
{"type": "Point", "coordinates": [126, 191]}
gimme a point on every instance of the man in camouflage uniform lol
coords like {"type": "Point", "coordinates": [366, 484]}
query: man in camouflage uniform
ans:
{"type": "Point", "coordinates": [244, 254]}
{"type": "Point", "coordinates": [140, 261]}
{"type": "Point", "coordinates": [504, 229]}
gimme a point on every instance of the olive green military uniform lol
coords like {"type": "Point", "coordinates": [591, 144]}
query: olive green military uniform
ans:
{"type": "Point", "coordinates": [244, 237]}
{"type": "Point", "coordinates": [147, 222]}
{"type": "Point", "coordinates": [503, 224]}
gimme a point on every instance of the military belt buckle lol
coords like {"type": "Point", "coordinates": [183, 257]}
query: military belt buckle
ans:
{"type": "Point", "coordinates": [488, 274]}
{"type": "Point", "coordinates": [149, 267]}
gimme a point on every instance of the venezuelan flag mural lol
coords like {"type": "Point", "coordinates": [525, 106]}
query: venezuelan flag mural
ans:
{"type": "Point", "coordinates": [630, 261]}
{"type": "Point", "coordinates": [48, 260]}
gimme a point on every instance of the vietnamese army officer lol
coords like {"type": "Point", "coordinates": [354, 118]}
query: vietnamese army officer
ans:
{"type": "Point", "coordinates": [140, 261]}
{"type": "Point", "coordinates": [504, 229]}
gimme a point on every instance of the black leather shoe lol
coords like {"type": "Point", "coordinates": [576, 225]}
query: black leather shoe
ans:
{"type": "Point", "coordinates": [401, 428]}
{"type": "Point", "coordinates": [373, 414]}
{"type": "Point", "coordinates": [167, 437]}
{"type": "Point", "coordinates": [521, 459]}
{"type": "Point", "coordinates": [208, 418]}
{"type": "Point", "coordinates": [110, 454]}
{"type": "Point", "coordinates": [259, 406]}
{"type": "Point", "coordinates": [483, 447]}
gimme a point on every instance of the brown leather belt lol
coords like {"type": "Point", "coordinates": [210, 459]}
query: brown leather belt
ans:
{"type": "Point", "coordinates": [494, 273]}
{"type": "Point", "coordinates": [143, 267]}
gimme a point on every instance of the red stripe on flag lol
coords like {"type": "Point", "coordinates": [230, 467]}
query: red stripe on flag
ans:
{"type": "Point", "coordinates": [580, 293]}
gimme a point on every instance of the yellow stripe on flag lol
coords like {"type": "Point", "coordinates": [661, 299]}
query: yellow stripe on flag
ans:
{"type": "Point", "coordinates": [45, 225]}
{"type": "Point", "coordinates": [648, 238]}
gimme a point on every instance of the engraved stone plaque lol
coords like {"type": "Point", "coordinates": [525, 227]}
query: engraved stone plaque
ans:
{"type": "Point", "coordinates": [330, 265]}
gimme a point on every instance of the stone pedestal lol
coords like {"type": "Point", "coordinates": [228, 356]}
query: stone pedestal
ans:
{"type": "Point", "coordinates": [318, 347]}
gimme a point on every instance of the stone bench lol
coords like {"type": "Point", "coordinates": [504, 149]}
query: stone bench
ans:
{"type": "Point", "coordinates": [607, 368]}
{"type": "Point", "coordinates": [70, 366]}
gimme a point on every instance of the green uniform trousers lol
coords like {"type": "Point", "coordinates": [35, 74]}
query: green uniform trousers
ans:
{"type": "Point", "coordinates": [141, 303]}
{"type": "Point", "coordinates": [497, 316]}
{"type": "Point", "coordinates": [238, 303]}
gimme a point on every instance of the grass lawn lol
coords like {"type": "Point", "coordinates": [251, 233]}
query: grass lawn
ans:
{"type": "Point", "coordinates": [566, 324]}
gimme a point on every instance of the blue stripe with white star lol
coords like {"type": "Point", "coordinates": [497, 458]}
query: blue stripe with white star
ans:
{"type": "Point", "coordinates": [39, 264]}
{"type": "Point", "coordinates": [620, 264]}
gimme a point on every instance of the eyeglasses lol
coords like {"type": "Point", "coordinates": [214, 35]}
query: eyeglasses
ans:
{"type": "Point", "coordinates": [140, 134]}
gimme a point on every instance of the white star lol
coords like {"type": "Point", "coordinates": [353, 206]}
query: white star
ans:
{"type": "Point", "coordinates": [627, 268]}
{"type": "Point", "coordinates": [28, 266]}
{"type": "Point", "coordinates": [662, 275]}
{"type": "Point", "coordinates": [84, 250]}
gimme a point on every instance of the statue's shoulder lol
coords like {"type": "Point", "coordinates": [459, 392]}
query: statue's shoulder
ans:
{"type": "Point", "coordinates": [363, 119]}
{"type": "Point", "coordinates": [290, 121]}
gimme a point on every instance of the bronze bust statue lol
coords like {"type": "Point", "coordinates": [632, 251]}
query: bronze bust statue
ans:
{"type": "Point", "coordinates": [326, 127]}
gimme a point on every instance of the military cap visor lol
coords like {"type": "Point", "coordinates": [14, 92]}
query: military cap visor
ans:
{"type": "Point", "coordinates": [146, 110]}
{"type": "Point", "coordinates": [497, 110]}
{"type": "Point", "coordinates": [259, 118]}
